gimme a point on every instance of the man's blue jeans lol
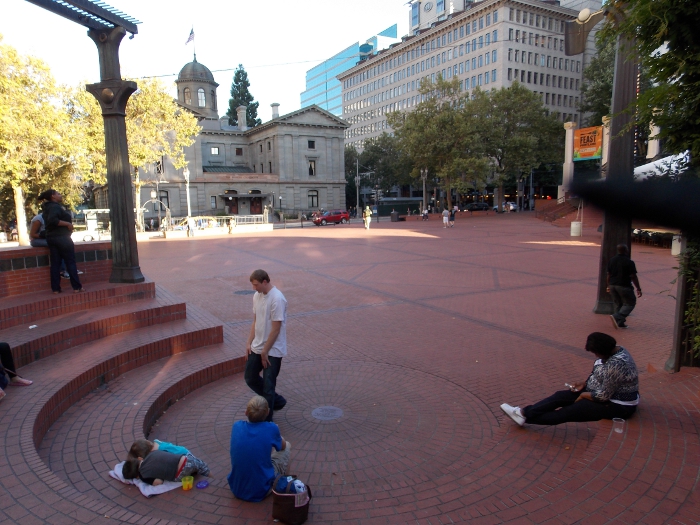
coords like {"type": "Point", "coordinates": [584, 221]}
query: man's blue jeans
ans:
{"type": "Point", "coordinates": [265, 385]}
{"type": "Point", "coordinates": [624, 299]}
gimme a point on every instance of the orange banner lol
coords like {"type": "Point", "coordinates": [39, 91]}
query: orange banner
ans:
{"type": "Point", "coordinates": [588, 143]}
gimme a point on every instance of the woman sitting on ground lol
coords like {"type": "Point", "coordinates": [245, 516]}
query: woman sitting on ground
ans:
{"type": "Point", "coordinates": [8, 369]}
{"type": "Point", "coordinates": [612, 390]}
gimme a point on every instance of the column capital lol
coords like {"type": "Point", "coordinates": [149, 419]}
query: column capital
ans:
{"type": "Point", "coordinates": [570, 125]}
{"type": "Point", "coordinates": [112, 95]}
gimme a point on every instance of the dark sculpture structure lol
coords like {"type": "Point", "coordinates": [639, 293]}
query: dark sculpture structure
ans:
{"type": "Point", "coordinates": [107, 27]}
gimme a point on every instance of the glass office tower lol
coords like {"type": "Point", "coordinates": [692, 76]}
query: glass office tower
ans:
{"type": "Point", "coordinates": [322, 86]}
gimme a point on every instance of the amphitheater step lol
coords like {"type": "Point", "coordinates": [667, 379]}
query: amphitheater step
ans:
{"type": "Point", "coordinates": [52, 335]}
{"type": "Point", "coordinates": [164, 362]}
{"type": "Point", "coordinates": [29, 308]}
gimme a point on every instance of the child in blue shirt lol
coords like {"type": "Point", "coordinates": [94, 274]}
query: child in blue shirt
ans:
{"type": "Point", "coordinates": [142, 447]}
{"type": "Point", "coordinates": [253, 467]}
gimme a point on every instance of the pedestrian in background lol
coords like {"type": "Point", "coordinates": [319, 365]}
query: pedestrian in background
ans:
{"type": "Point", "coordinates": [622, 272]}
{"type": "Point", "coordinates": [367, 216]}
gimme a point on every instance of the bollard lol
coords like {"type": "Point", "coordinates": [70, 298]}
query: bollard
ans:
{"type": "Point", "coordinates": [301, 220]}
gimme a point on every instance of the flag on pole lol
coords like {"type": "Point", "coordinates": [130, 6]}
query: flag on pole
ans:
{"type": "Point", "coordinates": [191, 37]}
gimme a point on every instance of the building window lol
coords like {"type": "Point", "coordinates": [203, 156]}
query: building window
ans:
{"type": "Point", "coordinates": [270, 167]}
{"type": "Point", "coordinates": [262, 170]}
{"type": "Point", "coordinates": [214, 150]}
{"type": "Point", "coordinates": [213, 99]}
{"type": "Point", "coordinates": [312, 168]}
{"type": "Point", "coordinates": [188, 97]}
{"type": "Point", "coordinates": [510, 74]}
{"type": "Point", "coordinates": [201, 99]}
{"type": "Point", "coordinates": [313, 199]}
{"type": "Point", "coordinates": [269, 146]}
{"type": "Point", "coordinates": [239, 152]}
{"type": "Point", "coordinates": [493, 76]}
{"type": "Point", "coordinates": [212, 200]}
{"type": "Point", "coordinates": [495, 17]}
{"type": "Point", "coordinates": [164, 201]}
{"type": "Point", "coordinates": [440, 4]}
{"type": "Point", "coordinates": [415, 14]}
{"type": "Point", "coordinates": [312, 145]}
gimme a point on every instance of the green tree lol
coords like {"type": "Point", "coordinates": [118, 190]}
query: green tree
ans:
{"type": "Point", "coordinates": [442, 135]}
{"type": "Point", "coordinates": [596, 90]}
{"type": "Point", "coordinates": [37, 150]}
{"type": "Point", "coordinates": [351, 159]}
{"type": "Point", "coordinates": [241, 96]}
{"type": "Point", "coordinates": [668, 47]}
{"type": "Point", "coordinates": [157, 127]}
{"type": "Point", "coordinates": [391, 166]}
{"type": "Point", "coordinates": [516, 132]}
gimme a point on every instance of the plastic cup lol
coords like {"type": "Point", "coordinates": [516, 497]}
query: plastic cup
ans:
{"type": "Point", "coordinates": [187, 482]}
{"type": "Point", "coordinates": [618, 425]}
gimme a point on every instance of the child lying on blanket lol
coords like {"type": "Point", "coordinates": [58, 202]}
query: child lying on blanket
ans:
{"type": "Point", "coordinates": [159, 466]}
{"type": "Point", "coordinates": [142, 447]}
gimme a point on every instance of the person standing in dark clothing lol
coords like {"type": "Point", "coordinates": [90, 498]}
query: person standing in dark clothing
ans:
{"type": "Point", "coordinates": [59, 226]}
{"type": "Point", "coordinates": [622, 273]}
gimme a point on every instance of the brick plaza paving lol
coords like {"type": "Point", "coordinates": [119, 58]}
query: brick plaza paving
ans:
{"type": "Point", "coordinates": [418, 334]}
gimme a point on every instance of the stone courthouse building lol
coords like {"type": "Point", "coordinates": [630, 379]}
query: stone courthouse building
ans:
{"type": "Point", "coordinates": [294, 161]}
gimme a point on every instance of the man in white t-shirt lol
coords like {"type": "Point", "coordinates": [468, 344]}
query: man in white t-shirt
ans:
{"type": "Point", "coordinates": [445, 218]}
{"type": "Point", "coordinates": [267, 341]}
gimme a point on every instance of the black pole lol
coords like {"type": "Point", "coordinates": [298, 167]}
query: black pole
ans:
{"type": "Point", "coordinates": [618, 229]}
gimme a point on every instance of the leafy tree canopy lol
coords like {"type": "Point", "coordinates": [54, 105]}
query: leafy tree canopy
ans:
{"type": "Point", "coordinates": [596, 90]}
{"type": "Point", "coordinates": [666, 33]}
{"type": "Point", "coordinates": [241, 96]}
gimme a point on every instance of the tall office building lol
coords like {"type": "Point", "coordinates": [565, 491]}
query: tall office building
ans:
{"type": "Point", "coordinates": [322, 85]}
{"type": "Point", "coordinates": [488, 44]}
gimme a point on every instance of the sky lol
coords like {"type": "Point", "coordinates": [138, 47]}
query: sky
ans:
{"type": "Point", "coordinates": [277, 41]}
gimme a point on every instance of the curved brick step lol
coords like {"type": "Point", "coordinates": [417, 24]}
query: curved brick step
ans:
{"type": "Point", "coordinates": [60, 381]}
{"type": "Point", "coordinates": [28, 308]}
{"type": "Point", "coordinates": [56, 334]}
{"type": "Point", "coordinates": [531, 474]}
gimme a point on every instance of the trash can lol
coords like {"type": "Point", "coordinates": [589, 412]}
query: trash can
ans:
{"type": "Point", "coordinates": [676, 245]}
{"type": "Point", "coordinates": [394, 216]}
{"type": "Point", "coordinates": [576, 228]}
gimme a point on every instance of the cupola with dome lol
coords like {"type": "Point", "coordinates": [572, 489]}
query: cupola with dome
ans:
{"type": "Point", "coordinates": [196, 89]}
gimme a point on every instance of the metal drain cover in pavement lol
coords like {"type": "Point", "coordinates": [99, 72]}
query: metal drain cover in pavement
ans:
{"type": "Point", "coordinates": [244, 292]}
{"type": "Point", "coordinates": [327, 413]}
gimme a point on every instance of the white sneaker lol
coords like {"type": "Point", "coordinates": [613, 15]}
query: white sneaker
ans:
{"type": "Point", "coordinates": [513, 413]}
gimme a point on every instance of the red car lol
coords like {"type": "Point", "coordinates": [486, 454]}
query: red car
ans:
{"type": "Point", "coordinates": [334, 216]}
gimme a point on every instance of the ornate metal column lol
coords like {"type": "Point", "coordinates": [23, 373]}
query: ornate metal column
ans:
{"type": "Point", "coordinates": [113, 93]}
{"type": "Point", "coordinates": [107, 26]}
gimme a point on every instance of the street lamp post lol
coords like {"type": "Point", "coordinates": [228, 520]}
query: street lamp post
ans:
{"type": "Point", "coordinates": [424, 177]}
{"type": "Point", "coordinates": [186, 174]}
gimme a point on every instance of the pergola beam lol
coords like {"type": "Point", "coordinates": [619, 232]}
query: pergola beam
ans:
{"type": "Point", "coordinates": [91, 14]}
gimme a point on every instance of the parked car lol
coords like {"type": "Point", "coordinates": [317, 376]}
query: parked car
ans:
{"type": "Point", "coordinates": [334, 216]}
{"type": "Point", "coordinates": [86, 235]}
{"type": "Point", "coordinates": [476, 206]}
{"type": "Point", "coordinates": [506, 206]}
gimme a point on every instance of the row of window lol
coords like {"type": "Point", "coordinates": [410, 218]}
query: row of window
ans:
{"type": "Point", "coordinates": [457, 69]}
{"type": "Point", "coordinates": [311, 144]}
{"type": "Point", "coordinates": [535, 20]}
{"type": "Point", "coordinates": [535, 39]}
{"type": "Point", "coordinates": [436, 43]}
{"type": "Point", "coordinates": [201, 98]}
{"type": "Point", "coordinates": [543, 61]}
{"type": "Point", "coordinates": [542, 79]}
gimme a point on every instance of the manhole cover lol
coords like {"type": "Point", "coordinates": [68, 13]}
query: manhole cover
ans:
{"type": "Point", "coordinates": [327, 413]}
{"type": "Point", "coordinates": [244, 292]}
